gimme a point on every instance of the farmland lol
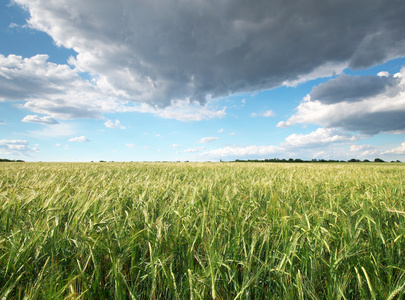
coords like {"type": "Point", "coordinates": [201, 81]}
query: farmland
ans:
{"type": "Point", "coordinates": [202, 231]}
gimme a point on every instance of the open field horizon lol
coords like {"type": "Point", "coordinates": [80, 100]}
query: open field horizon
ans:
{"type": "Point", "coordinates": [202, 230]}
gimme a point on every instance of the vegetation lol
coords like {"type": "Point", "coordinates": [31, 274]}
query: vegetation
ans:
{"type": "Point", "coordinates": [202, 231]}
{"type": "Point", "coordinates": [298, 160]}
{"type": "Point", "coordinates": [10, 160]}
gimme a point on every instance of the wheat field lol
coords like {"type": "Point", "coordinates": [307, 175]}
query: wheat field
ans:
{"type": "Point", "coordinates": [202, 231]}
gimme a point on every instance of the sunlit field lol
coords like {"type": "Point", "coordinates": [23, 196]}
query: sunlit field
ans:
{"type": "Point", "coordinates": [202, 231]}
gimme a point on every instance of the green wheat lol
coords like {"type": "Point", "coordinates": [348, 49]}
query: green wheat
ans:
{"type": "Point", "coordinates": [202, 231]}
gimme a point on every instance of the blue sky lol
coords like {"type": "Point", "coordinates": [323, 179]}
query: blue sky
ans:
{"type": "Point", "coordinates": [201, 81]}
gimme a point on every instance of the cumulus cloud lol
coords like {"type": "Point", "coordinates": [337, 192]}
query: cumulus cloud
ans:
{"type": "Point", "coordinates": [194, 149]}
{"type": "Point", "coordinates": [2, 122]}
{"type": "Point", "coordinates": [384, 112]}
{"type": "Point", "coordinates": [130, 145]}
{"type": "Point", "coordinates": [58, 91]}
{"type": "Point", "coordinates": [51, 89]}
{"type": "Point", "coordinates": [364, 150]}
{"type": "Point", "coordinates": [398, 150]}
{"type": "Point", "coordinates": [79, 139]}
{"type": "Point", "coordinates": [42, 120]}
{"type": "Point", "coordinates": [268, 113]}
{"type": "Point", "coordinates": [301, 145]}
{"type": "Point", "coordinates": [206, 140]}
{"type": "Point", "coordinates": [242, 151]}
{"type": "Point", "coordinates": [16, 147]}
{"type": "Point", "coordinates": [318, 138]}
{"type": "Point", "coordinates": [157, 52]}
{"type": "Point", "coordinates": [116, 124]}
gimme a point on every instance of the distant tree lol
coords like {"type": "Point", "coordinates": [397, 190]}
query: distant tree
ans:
{"type": "Point", "coordinates": [354, 160]}
{"type": "Point", "coordinates": [378, 160]}
{"type": "Point", "coordinates": [10, 160]}
{"type": "Point", "coordinates": [366, 160]}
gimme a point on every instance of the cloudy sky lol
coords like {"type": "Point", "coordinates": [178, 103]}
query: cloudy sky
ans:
{"type": "Point", "coordinates": [201, 80]}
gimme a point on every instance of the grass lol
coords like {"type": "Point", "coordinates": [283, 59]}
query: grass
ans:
{"type": "Point", "coordinates": [202, 231]}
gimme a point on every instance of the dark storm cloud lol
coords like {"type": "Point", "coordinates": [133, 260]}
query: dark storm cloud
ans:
{"type": "Point", "coordinates": [352, 88]}
{"type": "Point", "coordinates": [156, 51]}
{"type": "Point", "coordinates": [336, 104]}
{"type": "Point", "coordinates": [373, 123]}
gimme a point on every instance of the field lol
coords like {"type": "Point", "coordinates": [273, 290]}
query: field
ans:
{"type": "Point", "coordinates": [202, 231]}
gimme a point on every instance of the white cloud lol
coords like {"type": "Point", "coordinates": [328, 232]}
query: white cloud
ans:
{"type": "Point", "coordinates": [221, 130]}
{"type": "Point", "coordinates": [383, 74]}
{"type": "Point", "coordinates": [116, 124]}
{"type": "Point", "coordinates": [194, 149]}
{"type": "Point", "coordinates": [206, 140]}
{"type": "Point", "coordinates": [242, 151]}
{"type": "Point", "coordinates": [232, 133]}
{"type": "Point", "coordinates": [298, 145]}
{"type": "Point", "coordinates": [16, 147]}
{"type": "Point", "coordinates": [58, 91]}
{"type": "Point", "coordinates": [359, 148]}
{"type": "Point", "coordinates": [51, 89]}
{"type": "Point", "coordinates": [176, 146]}
{"type": "Point", "coordinates": [58, 145]}
{"type": "Point", "coordinates": [268, 113]}
{"type": "Point", "coordinates": [2, 122]}
{"type": "Point", "coordinates": [364, 150]}
{"type": "Point", "coordinates": [318, 138]}
{"type": "Point", "coordinates": [398, 150]}
{"type": "Point", "coordinates": [130, 145]}
{"type": "Point", "coordinates": [80, 139]}
{"type": "Point", "coordinates": [42, 120]}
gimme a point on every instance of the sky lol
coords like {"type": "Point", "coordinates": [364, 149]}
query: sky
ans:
{"type": "Point", "coordinates": [202, 80]}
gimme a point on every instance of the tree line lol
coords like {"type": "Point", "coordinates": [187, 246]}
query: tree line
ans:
{"type": "Point", "coordinates": [10, 160]}
{"type": "Point", "coordinates": [298, 160]}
